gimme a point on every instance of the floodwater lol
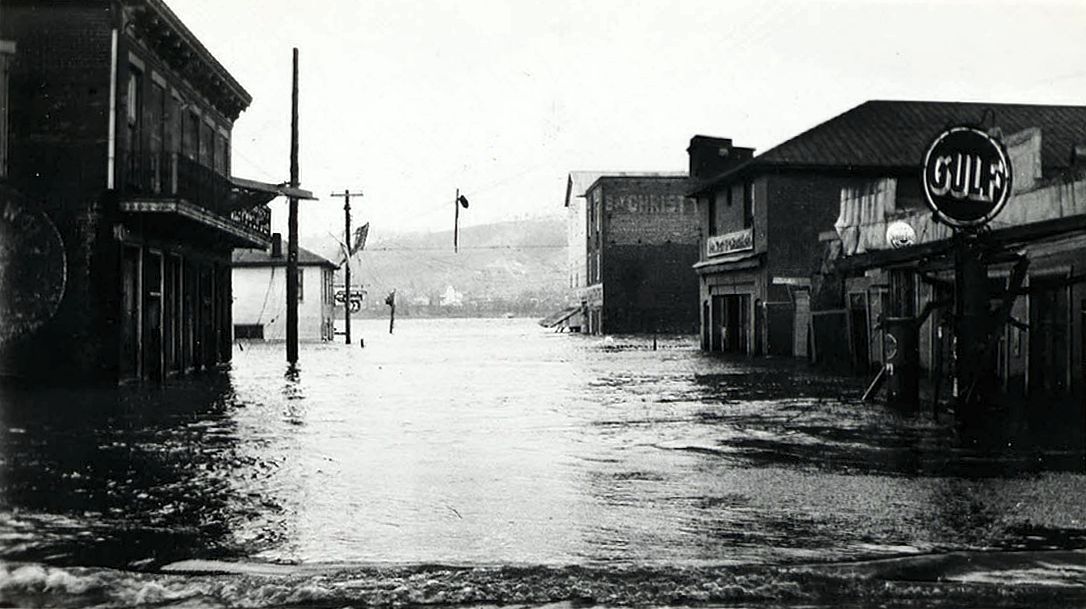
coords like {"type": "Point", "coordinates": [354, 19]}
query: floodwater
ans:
{"type": "Point", "coordinates": [495, 462]}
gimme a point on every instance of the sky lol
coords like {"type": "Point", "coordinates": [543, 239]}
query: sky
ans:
{"type": "Point", "coordinates": [409, 101]}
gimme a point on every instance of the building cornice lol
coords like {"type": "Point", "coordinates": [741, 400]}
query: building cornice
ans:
{"type": "Point", "coordinates": [163, 32]}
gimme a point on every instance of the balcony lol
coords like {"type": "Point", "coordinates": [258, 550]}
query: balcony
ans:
{"type": "Point", "coordinates": [172, 183]}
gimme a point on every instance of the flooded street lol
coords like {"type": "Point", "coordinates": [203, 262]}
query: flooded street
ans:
{"type": "Point", "coordinates": [492, 461]}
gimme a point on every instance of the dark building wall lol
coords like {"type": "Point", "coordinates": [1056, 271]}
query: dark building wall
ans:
{"type": "Point", "coordinates": [59, 120]}
{"type": "Point", "coordinates": [649, 242]}
{"type": "Point", "coordinates": [800, 206]}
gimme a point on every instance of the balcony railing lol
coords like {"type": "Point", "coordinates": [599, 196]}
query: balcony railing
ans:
{"type": "Point", "coordinates": [174, 175]}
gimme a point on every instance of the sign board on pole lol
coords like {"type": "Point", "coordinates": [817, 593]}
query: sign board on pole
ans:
{"type": "Point", "coordinates": [967, 177]}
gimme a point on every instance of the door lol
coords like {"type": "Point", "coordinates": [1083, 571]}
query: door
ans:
{"type": "Point", "coordinates": [152, 316]}
{"type": "Point", "coordinates": [859, 338]}
{"type": "Point", "coordinates": [1049, 333]}
{"type": "Point", "coordinates": [716, 336]}
{"type": "Point", "coordinates": [130, 313]}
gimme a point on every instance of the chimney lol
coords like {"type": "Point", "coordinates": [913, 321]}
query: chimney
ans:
{"type": "Point", "coordinates": [277, 245]}
{"type": "Point", "coordinates": [712, 156]}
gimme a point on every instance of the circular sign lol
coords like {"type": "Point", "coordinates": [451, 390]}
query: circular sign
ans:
{"type": "Point", "coordinates": [33, 268]}
{"type": "Point", "coordinates": [900, 234]}
{"type": "Point", "coordinates": [967, 177]}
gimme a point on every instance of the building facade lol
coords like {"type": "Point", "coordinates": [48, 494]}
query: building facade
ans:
{"type": "Point", "coordinates": [1038, 352]}
{"type": "Point", "coordinates": [119, 140]}
{"type": "Point", "coordinates": [260, 286]}
{"type": "Point", "coordinates": [641, 235]}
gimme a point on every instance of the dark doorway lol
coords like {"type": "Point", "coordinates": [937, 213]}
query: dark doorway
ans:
{"type": "Point", "coordinates": [859, 336]}
{"type": "Point", "coordinates": [130, 314]}
{"type": "Point", "coordinates": [152, 316]}
{"type": "Point", "coordinates": [706, 320]}
{"type": "Point", "coordinates": [716, 326]}
{"type": "Point", "coordinates": [1049, 317]}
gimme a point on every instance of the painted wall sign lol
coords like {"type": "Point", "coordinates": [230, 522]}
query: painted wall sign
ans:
{"type": "Point", "coordinates": [736, 241]}
{"type": "Point", "coordinates": [967, 177]}
{"type": "Point", "coordinates": [33, 267]}
{"type": "Point", "coordinates": [650, 203]}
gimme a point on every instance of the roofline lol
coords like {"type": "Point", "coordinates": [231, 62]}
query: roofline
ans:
{"type": "Point", "coordinates": [659, 175]}
{"type": "Point", "coordinates": [756, 167]}
{"type": "Point", "coordinates": [175, 22]}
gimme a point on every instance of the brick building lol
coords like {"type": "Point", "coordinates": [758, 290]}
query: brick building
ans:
{"type": "Point", "coordinates": [641, 238]}
{"type": "Point", "coordinates": [120, 129]}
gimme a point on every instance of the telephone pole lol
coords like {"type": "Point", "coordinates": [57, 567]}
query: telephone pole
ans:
{"type": "Point", "coordinates": [347, 194]}
{"type": "Point", "coordinates": [292, 225]}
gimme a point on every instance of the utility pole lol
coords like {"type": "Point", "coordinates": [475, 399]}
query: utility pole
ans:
{"type": "Point", "coordinates": [456, 222]}
{"type": "Point", "coordinates": [347, 194]}
{"type": "Point", "coordinates": [292, 225]}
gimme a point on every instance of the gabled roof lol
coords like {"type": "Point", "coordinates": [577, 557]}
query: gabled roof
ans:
{"type": "Point", "coordinates": [263, 258]}
{"type": "Point", "coordinates": [893, 135]}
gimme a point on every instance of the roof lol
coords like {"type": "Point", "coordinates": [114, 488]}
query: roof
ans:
{"type": "Point", "coordinates": [893, 135]}
{"type": "Point", "coordinates": [263, 258]}
{"type": "Point", "coordinates": [580, 182]}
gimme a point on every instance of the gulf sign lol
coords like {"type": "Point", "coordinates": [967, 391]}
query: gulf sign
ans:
{"type": "Point", "coordinates": [967, 177]}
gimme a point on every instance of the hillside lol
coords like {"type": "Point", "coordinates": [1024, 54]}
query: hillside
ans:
{"type": "Point", "coordinates": [516, 267]}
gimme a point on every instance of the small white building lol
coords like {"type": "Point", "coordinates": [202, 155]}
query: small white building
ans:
{"type": "Point", "coordinates": [260, 287]}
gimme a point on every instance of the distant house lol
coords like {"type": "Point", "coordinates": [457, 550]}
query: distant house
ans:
{"type": "Point", "coordinates": [260, 287]}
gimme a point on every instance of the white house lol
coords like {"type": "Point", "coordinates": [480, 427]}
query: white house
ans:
{"type": "Point", "coordinates": [260, 287]}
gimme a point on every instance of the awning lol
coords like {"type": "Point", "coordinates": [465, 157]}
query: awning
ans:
{"type": "Point", "coordinates": [248, 193]}
{"type": "Point", "coordinates": [735, 262]}
{"type": "Point", "coordinates": [1007, 237]}
{"type": "Point", "coordinates": [243, 235]}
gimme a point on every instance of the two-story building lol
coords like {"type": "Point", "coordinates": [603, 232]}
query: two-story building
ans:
{"type": "Point", "coordinates": [641, 235]}
{"type": "Point", "coordinates": [120, 138]}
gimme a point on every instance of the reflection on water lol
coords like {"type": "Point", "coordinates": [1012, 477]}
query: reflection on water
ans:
{"type": "Point", "coordinates": [493, 442]}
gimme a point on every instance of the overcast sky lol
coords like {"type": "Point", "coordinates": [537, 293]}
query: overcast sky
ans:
{"type": "Point", "coordinates": [410, 100]}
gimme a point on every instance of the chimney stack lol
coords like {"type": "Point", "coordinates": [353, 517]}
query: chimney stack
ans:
{"type": "Point", "coordinates": [712, 156]}
{"type": "Point", "coordinates": [277, 245]}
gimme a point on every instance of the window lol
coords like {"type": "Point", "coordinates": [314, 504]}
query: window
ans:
{"type": "Point", "coordinates": [134, 107]}
{"type": "Point", "coordinates": [156, 122]}
{"type": "Point", "coordinates": [190, 135]}
{"type": "Point", "coordinates": [710, 203]}
{"type": "Point", "coordinates": [748, 204]}
{"type": "Point", "coordinates": [206, 143]}
{"type": "Point", "coordinates": [249, 331]}
{"type": "Point", "coordinates": [221, 166]}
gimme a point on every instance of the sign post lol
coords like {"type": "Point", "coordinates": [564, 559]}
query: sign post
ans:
{"type": "Point", "coordinates": [967, 180]}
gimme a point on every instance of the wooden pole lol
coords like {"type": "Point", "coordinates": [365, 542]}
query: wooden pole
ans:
{"type": "Point", "coordinates": [347, 267]}
{"type": "Point", "coordinates": [456, 222]}
{"type": "Point", "coordinates": [292, 225]}
{"type": "Point", "coordinates": [346, 194]}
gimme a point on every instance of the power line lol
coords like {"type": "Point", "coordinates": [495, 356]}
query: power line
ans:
{"type": "Point", "coordinates": [470, 247]}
